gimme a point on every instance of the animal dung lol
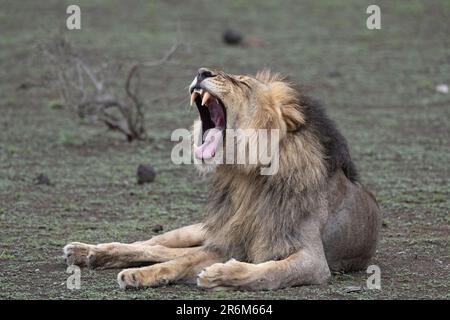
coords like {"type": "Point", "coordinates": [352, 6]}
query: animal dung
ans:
{"type": "Point", "coordinates": [157, 228]}
{"type": "Point", "coordinates": [232, 37]}
{"type": "Point", "coordinates": [145, 174]}
{"type": "Point", "coordinates": [43, 180]}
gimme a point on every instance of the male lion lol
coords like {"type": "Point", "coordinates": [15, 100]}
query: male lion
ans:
{"type": "Point", "coordinates": [260, 231]}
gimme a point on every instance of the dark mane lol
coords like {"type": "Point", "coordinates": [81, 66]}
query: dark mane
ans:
{"type": "Point", "coordinates": [336, 148]}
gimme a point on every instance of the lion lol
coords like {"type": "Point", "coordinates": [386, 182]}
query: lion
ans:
{"type": "Point", "coordinates": [260, 232]}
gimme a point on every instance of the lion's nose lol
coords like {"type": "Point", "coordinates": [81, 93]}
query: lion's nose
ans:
{"type": "Point", "coordinates": [203, 73]}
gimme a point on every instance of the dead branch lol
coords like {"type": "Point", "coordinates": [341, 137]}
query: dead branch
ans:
{"type": "Point", "coordinates": [95, 92]}
{"type": "Point", "coordinates": [167, 56]}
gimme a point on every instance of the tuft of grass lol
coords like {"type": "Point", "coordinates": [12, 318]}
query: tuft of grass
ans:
{"type": "Point", "coordinates": [4, 255]}
{"type": "Point", "coordinates": [55, 105]}
{"type": "Point", "coordinates": [67, 138]}
{"type": "Point", "coordinates": [11, 101]}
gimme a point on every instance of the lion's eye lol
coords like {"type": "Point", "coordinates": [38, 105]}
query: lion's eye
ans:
{"type": "Point", "coordinates": [207, 74]}
{"type": "Point", "coordinates": [244, 84]}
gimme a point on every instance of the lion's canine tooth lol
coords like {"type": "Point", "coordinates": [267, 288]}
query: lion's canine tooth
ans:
{"type": "Point", "coordinates": [206, 97]}
{"type": "Point", "coordinates": [193, 97]}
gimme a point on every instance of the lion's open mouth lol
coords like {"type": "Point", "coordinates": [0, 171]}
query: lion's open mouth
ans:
{"type": "Point", "coordinates": [212, 116]}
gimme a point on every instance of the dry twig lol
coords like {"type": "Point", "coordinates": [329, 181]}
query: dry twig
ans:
{"type": "Point", "coordinates": [93, 92]}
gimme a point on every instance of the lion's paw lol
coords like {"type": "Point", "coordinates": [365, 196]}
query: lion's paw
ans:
{"type": "Point", "coordinates": [77, 253]}
{"type": "Point", "coordinates": [224, 275]}
{"type": "Point", "coordinates": [152, 276]}
{"type": "Point", "coordinates": [129, 278]}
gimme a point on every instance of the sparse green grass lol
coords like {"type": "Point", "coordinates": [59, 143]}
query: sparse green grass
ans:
{"type": "Point", "coordinates": [56, 104]}
{"type": "Point", "coordinates": [384, 101]}
{"type": "Point", "coordinates": [66, 138]}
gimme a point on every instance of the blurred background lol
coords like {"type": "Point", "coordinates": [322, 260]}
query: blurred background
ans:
{"type": "Point", "coordinates": [81, 110]}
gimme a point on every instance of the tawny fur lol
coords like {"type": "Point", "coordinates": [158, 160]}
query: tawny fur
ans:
{"type": "Point", "coordinates": [275, 231]}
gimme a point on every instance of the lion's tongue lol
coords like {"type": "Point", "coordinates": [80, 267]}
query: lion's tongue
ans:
{"type": "Point", "coordinates": [208, 149]}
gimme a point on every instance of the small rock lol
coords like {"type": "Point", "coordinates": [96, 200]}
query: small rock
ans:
{"type": "Point", "coordinates": [43, 179]}
{"type": "Point", "coordinates": [25, 85]}
{"type": "Point", "coordinates": [334, 74]}
{"type": "Point", "coordinates": [157, 228]}
{"type": "Point", "coordinates": [232, 37]}
{"type": "Point", "coordinates": [145, 174]}
{"type": "Point", "coordinates": [442, 88]}
{"type": "Point", "coordinates": [351, 289]}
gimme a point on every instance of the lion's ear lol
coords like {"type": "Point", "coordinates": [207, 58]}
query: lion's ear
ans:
{"type": "Point", "coordinates": [292, 116]}
{"type": "Point", "coordinates": [286, 98]}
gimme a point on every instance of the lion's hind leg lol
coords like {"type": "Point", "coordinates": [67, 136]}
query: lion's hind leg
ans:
{"type": "Point", "coordinates": [188, 236]}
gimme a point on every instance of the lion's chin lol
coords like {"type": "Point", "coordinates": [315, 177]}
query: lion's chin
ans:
{"type": "Point", "coordinates": [206, 168]}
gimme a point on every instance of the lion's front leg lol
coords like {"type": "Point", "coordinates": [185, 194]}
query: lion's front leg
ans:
{"type": "Point", "coordinates": [182, 269]}
{"type": "Point", "coordinates": [165, 247]}
{"type": "Point", "coordinates": [119, 255]}
{"type": "Point", "coordinates": [306, 266]}
{"type": "Point", "coordinates": [300, 268]}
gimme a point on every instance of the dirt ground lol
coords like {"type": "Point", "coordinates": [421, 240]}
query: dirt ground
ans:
{"type": "Point", "coordinates": [378, 85]}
